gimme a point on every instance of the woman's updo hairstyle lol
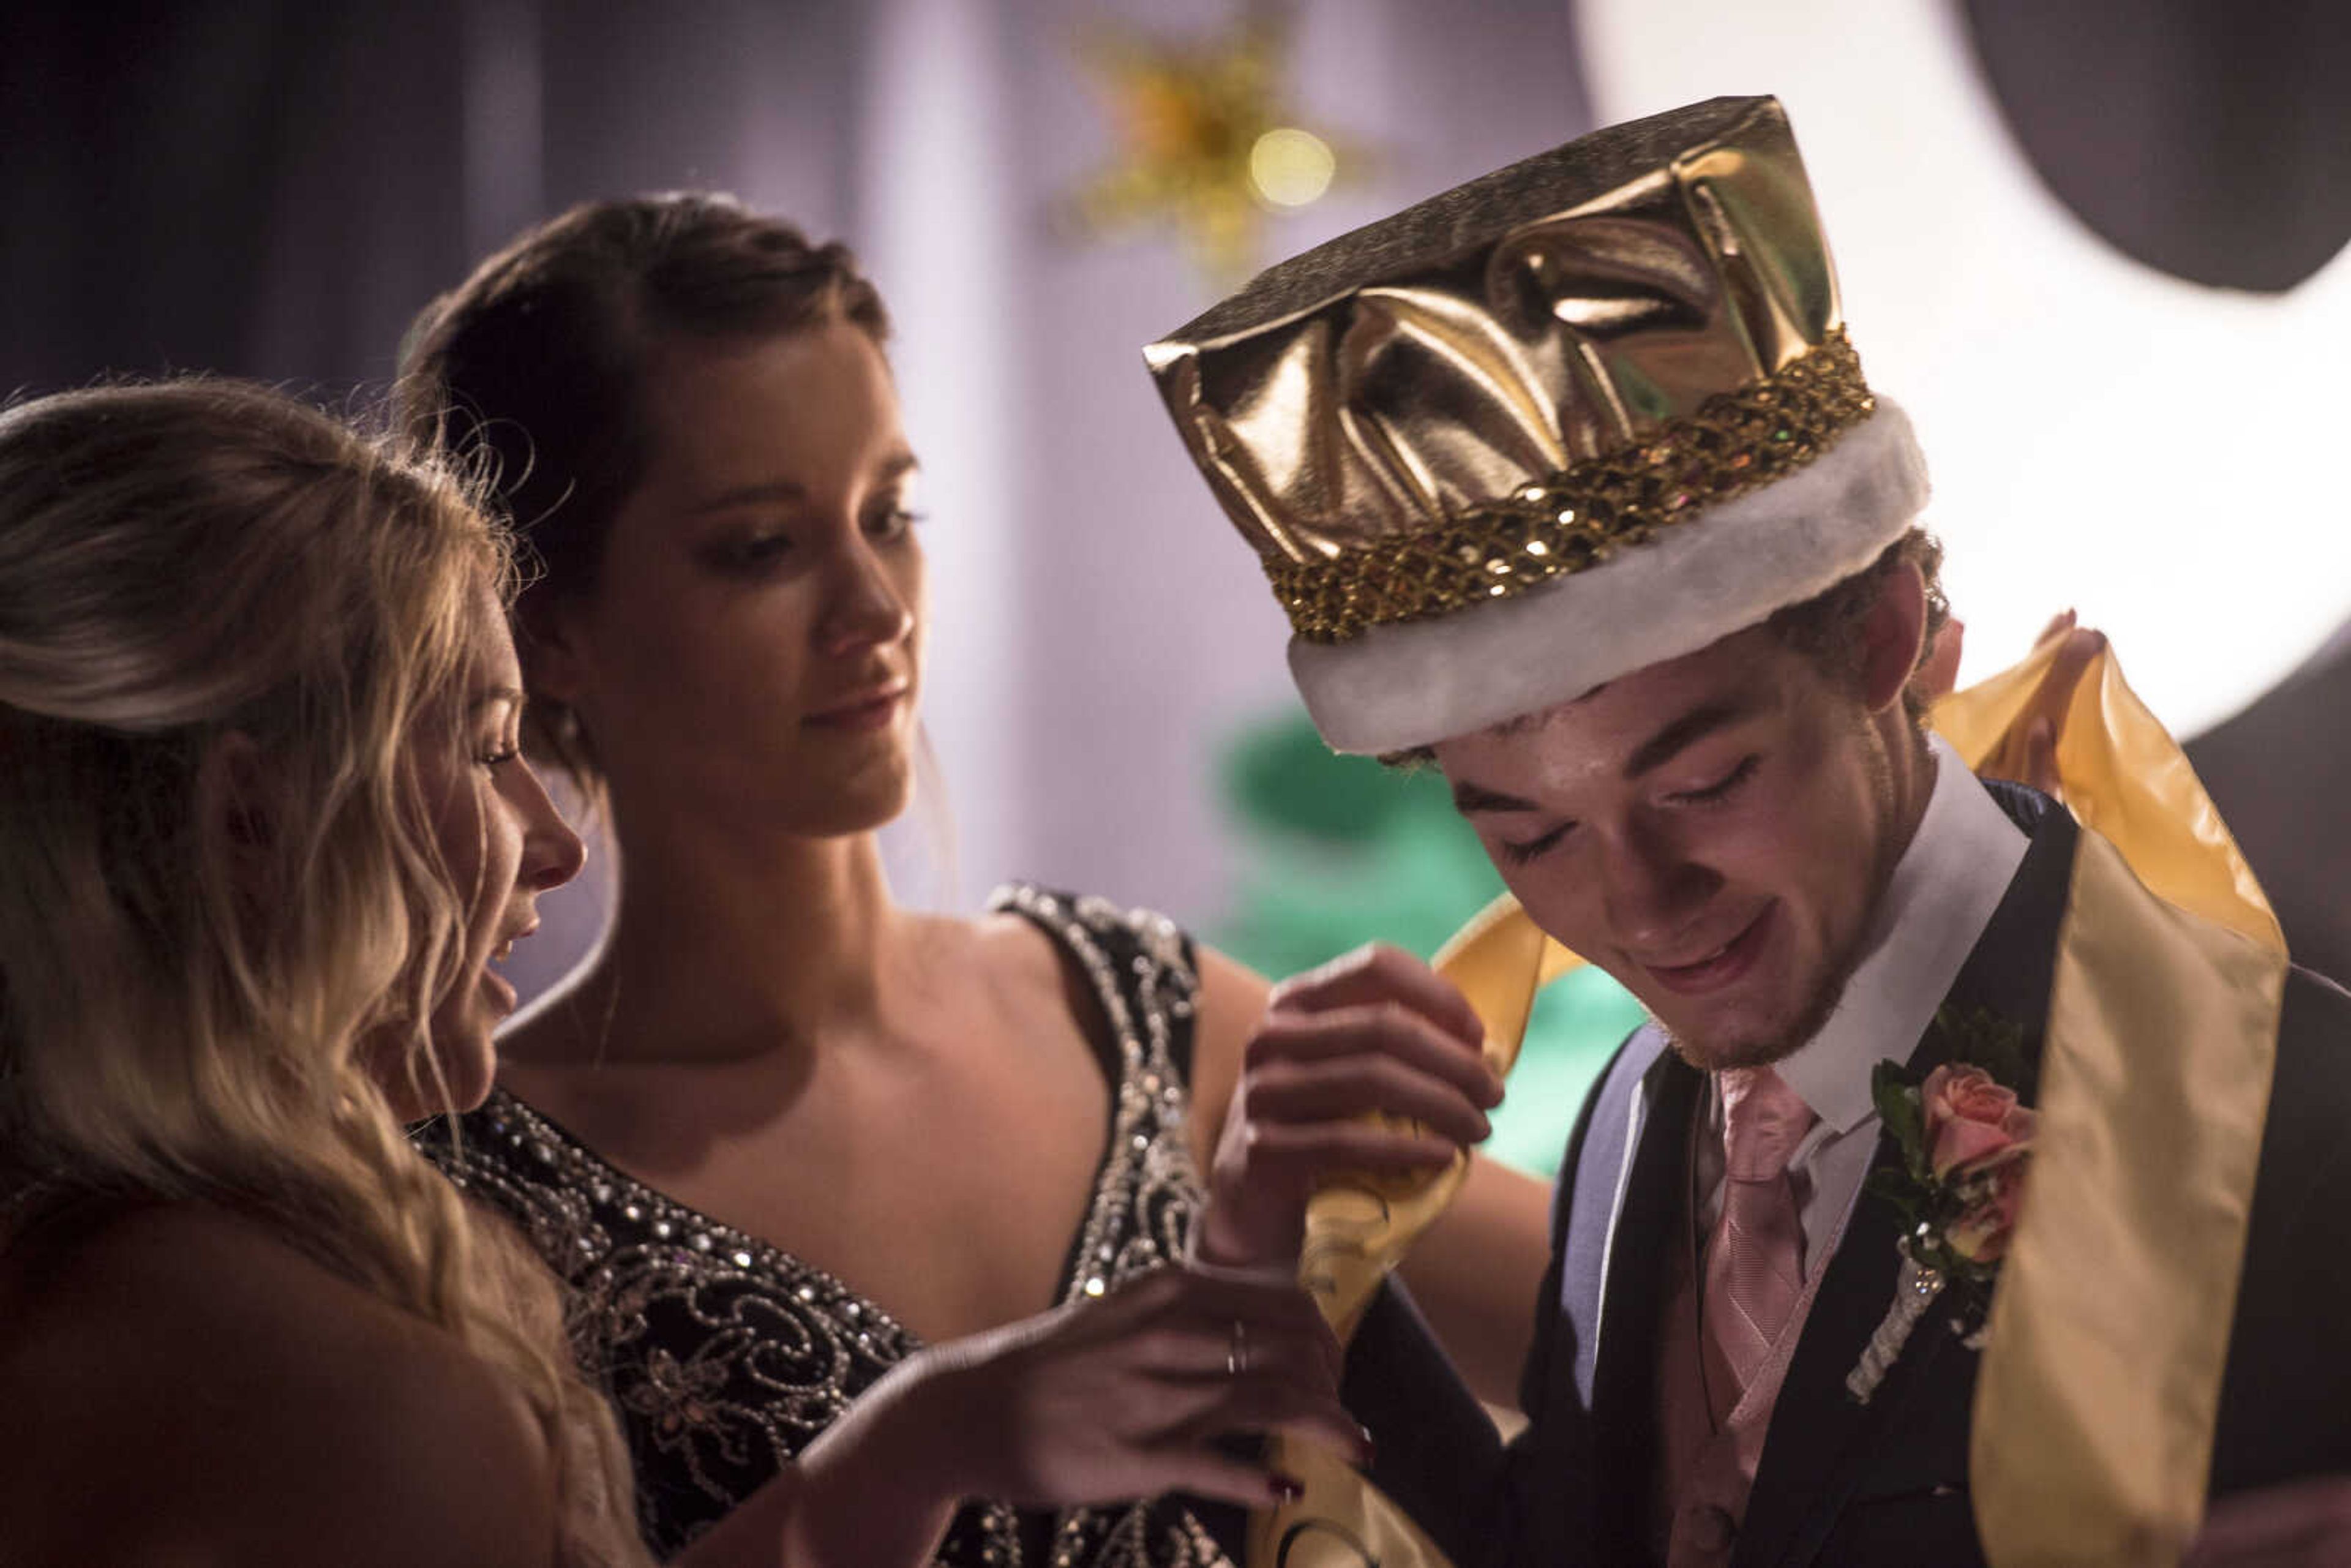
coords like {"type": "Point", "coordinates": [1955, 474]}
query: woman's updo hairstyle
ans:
{"type": "Point", "coordinates": [530, 370]}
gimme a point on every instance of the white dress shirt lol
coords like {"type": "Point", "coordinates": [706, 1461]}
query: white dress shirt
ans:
{"type": "Point", "coordinates": [1941, 896]}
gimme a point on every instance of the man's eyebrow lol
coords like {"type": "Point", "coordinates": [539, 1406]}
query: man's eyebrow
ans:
{"type": "Point", "coordinates": [1468, 797]}
{"type": "Point", "coordinates": [1685, 731]}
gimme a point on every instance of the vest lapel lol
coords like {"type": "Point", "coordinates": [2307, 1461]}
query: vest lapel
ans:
{"type": "Point", "coordinates": [1820, 1436]}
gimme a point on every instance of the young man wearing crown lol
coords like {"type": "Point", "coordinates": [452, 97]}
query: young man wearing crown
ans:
{"type": "Point", "coordinates": [1572, 484]}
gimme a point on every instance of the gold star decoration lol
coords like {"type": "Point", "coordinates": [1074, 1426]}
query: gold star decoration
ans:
{"type": "Point", "coordinates": [1206, 141]}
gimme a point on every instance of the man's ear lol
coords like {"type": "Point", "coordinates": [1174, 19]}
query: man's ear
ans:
{"type": "Point", "coordinates": [1894, 636]}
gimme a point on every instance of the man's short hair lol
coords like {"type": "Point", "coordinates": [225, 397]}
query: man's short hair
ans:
{"type": "Point", "coordinates": [1827, 627]}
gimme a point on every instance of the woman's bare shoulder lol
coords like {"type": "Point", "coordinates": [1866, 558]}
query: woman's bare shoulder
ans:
{"type": "Point", "coordinates": [1022, 968]}
{"type": "Point", "coordinates": [182, 1385]}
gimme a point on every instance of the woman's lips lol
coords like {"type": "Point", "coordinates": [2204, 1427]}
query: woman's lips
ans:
{"type": "Point", "coordinates": [1726, 966]}
{"type": "Point", "coordinates": [505, 949]}
{"type": "Point", "coordinates": [873, 712]}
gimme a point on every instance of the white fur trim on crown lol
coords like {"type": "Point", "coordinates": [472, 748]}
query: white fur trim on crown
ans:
{"type": "Point", "coordinates": [1413, 682]}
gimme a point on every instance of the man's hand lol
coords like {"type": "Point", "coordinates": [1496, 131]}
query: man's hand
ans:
{"type": "Point", "coordinates": [1377, 1030]}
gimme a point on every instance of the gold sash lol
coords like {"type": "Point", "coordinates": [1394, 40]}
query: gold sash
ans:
{"type": "Point", "coordinates": [2100, 1383]}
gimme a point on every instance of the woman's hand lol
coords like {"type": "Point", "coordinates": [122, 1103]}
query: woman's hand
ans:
{"type": "Point", "coordinates": [1374, 1031]}
{"type": "Point", "coordinates": [2044, 720]}
{"type": "Point", "coordinates": [1126, 1397]}
{"type": "Point", "coordinates": [1099, 1401]}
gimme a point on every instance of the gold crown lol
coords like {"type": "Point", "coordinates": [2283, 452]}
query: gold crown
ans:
{"type": "Point", "coordinates": [1519, 379]}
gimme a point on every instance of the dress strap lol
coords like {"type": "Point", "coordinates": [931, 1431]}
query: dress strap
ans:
{"type": "Point", "coordinates": [1142, 967]}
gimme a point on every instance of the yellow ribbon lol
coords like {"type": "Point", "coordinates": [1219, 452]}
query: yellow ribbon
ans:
{"type": "Point", "coordinates": [2094, 1408]}
{"type": "Point", "coordinates": [1360, 1227]}
{"type": "Point", "coordinates": [2124, 777]}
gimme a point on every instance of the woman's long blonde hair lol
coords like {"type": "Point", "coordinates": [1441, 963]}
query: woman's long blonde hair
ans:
{"type": "Point", "coordinates": [224, 623]}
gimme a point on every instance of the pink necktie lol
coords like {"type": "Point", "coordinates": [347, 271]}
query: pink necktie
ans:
{"type": "Point", "coordinates": [1755, 1261]}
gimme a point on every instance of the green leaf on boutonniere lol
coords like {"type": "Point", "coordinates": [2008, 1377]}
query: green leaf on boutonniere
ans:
{"type": "Point", "coordinates": [1982, 1037]}
{"type": "Point", "coordinates": [1898, 1188]}
{"type": "Point", "coordinates": [1930, 1207]}
{"type": "Point", "coordinates": [1896, 1099]}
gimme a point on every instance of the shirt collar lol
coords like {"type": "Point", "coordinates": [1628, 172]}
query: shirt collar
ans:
{"type": "Point", "coordinates": [1942, 894]}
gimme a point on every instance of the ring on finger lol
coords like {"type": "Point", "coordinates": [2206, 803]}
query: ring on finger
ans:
{"type": "Point", "coordinates": [1237, 1356]}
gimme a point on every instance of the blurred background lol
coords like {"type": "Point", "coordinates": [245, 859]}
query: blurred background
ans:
{"type": "Point", "coordinates": [2093, 247]}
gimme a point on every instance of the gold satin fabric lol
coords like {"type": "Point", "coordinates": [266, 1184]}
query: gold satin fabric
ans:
{"type": "Point", "coordinates": [2101, 1380]}
{"type": "Point", "coordinates": [1580, 517]}
{"type": "Point", "coordinates": [1387, 386]}
{"type": "Point", "coordinates": [1358, 1230]}
{"type": "Point", "coordinates": [2100, 1385]}
{"type": "Point", "coordinates": [2123, 777]}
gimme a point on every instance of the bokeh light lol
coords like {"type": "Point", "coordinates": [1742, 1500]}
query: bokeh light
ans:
{"type": "Point", "coordinates": [1290, 167]}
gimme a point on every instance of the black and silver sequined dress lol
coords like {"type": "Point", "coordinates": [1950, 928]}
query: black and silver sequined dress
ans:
{"type": "Point", "coordinates": [726, 1357]}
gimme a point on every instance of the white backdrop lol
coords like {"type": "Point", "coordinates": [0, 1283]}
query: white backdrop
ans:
{"type": "Point", "coordinates": [2101, 435]}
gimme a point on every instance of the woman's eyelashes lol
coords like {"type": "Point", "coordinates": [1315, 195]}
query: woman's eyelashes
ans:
{"type": "Point", "coordinates": [771, 550]}
{"type": "Point", "coordinates": [496, 730]}
{"type": "Point", "coordinates": [496, 747]}
{"type": "Point", "coordinates": [891, 523]}
{"type": "Point", "coordinates": [749, 555]}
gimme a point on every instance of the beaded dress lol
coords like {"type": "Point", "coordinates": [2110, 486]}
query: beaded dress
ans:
{"type": "Point", "coordinates": [724, 1356]}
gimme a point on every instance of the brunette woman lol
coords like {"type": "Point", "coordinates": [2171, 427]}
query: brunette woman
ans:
{"type": "Point", "coordinates": [781, 1131]}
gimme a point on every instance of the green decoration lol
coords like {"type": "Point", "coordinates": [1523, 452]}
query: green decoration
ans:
{"type": "Point", "coordinates": [1344, 851]}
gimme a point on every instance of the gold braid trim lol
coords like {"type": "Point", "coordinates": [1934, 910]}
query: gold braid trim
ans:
{"type": "Point", "coordinates": [1577, 518]}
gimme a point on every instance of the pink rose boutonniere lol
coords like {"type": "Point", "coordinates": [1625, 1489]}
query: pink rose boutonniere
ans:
{"type": "Point", "coordinates": [1965, 1143]}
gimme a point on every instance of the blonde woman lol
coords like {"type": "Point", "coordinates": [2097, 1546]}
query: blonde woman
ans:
{"type": "Point", "coordinates": [264, 823]}
{"type": "Point", "coordinates": [262, 826]}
